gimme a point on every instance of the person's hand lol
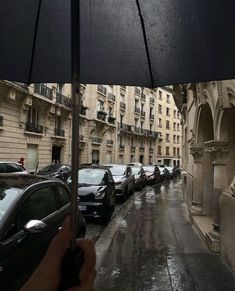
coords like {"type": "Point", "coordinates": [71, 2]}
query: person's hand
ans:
{"type": "Point", "coordinates": [47, 276]}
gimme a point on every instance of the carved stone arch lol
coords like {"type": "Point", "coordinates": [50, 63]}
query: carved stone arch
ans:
{"type": "Point", "coordinates": [218, 114]}
{"type": "Point", "coordinates": [210, 92]}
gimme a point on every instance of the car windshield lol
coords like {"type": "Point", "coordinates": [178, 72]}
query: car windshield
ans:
{"type": "Point", "coordinates": [91, 176]}
{"type": "Point", "coordinates": [118, 170]}
{"type": "Point", "coordinates": [7, 197]}
{"type": "Point", "coordinates": [135, 170]}
{"type": "Point", "coordinates": [50, 168]}
{"type": "Point", "coordinates": [148, 169]}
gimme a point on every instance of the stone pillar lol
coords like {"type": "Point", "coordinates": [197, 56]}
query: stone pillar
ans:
{"type": "Point", "coordinates": [197, 152]}
{"type": "Point", "coordinates": [219, 151]}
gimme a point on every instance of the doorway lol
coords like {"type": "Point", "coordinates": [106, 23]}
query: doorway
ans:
{"type": "Point", "coordinates": [56, 153]}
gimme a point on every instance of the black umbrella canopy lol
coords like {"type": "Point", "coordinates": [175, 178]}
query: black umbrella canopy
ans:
{"type": "Point", "coordinates": [133, 42]}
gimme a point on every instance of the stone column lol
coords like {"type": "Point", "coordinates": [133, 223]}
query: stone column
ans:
{"type": "Point", "coordinates": [197, 152]}
{"type": "Point", "coordinates": [219, 151]}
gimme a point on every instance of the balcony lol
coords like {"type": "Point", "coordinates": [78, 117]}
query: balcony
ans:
{"type": "Point", "coordinates": [111, 120]}
{"type": "Point", "coordinates": [110, 142]}
{"type": "Point", "coordinates": [83, 110]}
{"type": "Point", "coordinates": [142, 148]}
{"type": "Point", "coordinates": [125, 128]}
{"type": "Point", "coordinates": [143, 97]}
{"type": "Point", "coordinates": [96, 139]}
{"type": "Point", "coordinates": [137, 110]}
{"type": "Point", "coordinates": [133, 147]}
{"type": "Point", "coordinates": [151, 150]}
{"type": "Point", "coordinates": [111, 97]}
{"type": "Point", "coordinates": [35, 128]}
{"type": "Point", "coordinates": [151, 100]}
{"type": "Point", "coordinates": [122, 106]}
{"type": "Point", "coordinates": [81, 138]}
{"type": "Point", "coordinates": [43, 90]}
{"type": "Point", "coordinates": [101, 115]}
{"type": "Point", "coordinates": [23, 85]}
{"type": "Point", "coordinates": [63, 100]}
{"type": "Point", "coordinates": [143, 114]}
{"type": "Point", "coordinates": [102, 90]}
{"type": "Point", "coordinates": [137, 91]}
{"type": "Point", "coordinates": [1, 121]}
{"type": "Point", "coordinates": [137, 130]}
{"type": "Point", "coordinates": [122, 147]}
{"type": "Point", "coordinates": [151, 117]}
{"type": "Point", "coordinates": [59, 132]}
{"type": "Point", "coordinates": [152, 134]}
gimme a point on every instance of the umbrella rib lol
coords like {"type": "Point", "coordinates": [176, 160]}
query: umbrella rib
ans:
{"type": "Point", "coordinates": [145, 42]}
{"type": "Point", "coordinates": [34, 41]}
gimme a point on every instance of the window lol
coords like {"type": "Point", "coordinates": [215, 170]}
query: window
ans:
{"type": "Point", "coordinates": [174, 125]}
{"type": "Point", "coordinates": [174, 151]}
{"type": "Point", "coordinates": [159, 122]}
{"type": "Point", "coordinates": [168, 98]}
{"type": "Point", "coordinates": [178, 139]}
{"type": "Point", "coordinates": [160, 109]}
{"type": "Point", "coordinates": [160, 95]}
{"type": "Point", "coordinates": [32, 116]}
{"type": "Point", "coordinates": [38, 205]}
{"type": "Point", "coordinates": [178, 151]}
{"type": "Point", "coordinates": [167, 111]}
{"type": "Point", "coordinates": [101, 106]}
{"type": "Point", "coordinates": [64, 195]}
{"type": "Point", "coordinates": [174, 113]}
{"type": "Point", "coordinates": [174, 138]}
{"type": "Point", "coordinates": [60, 87]}
{"type": "Point", "coordinates": [167, 137]}
{"type": "Point", "coordinates": [167, 124]}
{"type": "Point", "coordinates": [178, 126]}
{"type": "Point", "coordinates": [159, 150]}
{"type": "Point", "coordinates": [167, 151]}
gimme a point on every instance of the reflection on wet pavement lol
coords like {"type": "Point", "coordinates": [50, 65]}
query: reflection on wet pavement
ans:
{"type": "Point", "coordinates": [156, 248]}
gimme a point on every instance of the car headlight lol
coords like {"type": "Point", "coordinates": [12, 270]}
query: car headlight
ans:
{"type": "Point", "coordinates": [100, 195]}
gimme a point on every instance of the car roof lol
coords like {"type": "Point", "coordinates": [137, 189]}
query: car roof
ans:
{"type": "Point", "coordinates": [9, 162]}
{"type": "Point", "coordinates": [22, 181]}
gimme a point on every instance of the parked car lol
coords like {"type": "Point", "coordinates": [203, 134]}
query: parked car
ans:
{"type": "Point", "coordinates": [32, 209]}
{"type": "Point", "coordinates": [170, 169]}
{"type": "Point", "coordinates": [96, 191]}
{"type": "Point", "coordinates": [61, 171]}
{"type": "Point", "coordinates": [11, 168]}
{"type": "Point", "coordinates": [124, 180]}
{"type": "Point", "coordinates": [140, 177]}
{"type": "Point", "coordinates": [165, 174]}
{"type": "Point", "coordinates": [152, 173]}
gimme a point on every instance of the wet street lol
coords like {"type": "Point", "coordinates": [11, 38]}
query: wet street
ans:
{"type": "Point", "coordinates": [156, 247]}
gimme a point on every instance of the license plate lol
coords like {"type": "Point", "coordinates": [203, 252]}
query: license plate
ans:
{"type": "Point", "coordinates": [82, 207]}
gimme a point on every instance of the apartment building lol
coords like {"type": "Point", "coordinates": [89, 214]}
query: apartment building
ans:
{"type": "Point", "coordinates": [118, 124]}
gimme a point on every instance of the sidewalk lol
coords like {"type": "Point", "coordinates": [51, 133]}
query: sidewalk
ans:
{"type": "Point", "coordinates": [155, 247]}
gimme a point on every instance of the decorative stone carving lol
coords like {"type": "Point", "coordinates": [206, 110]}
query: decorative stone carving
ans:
{"type": "Point", "coordinates": [218, 149]}
{"type": "Point", "coordinates": [196, 152]}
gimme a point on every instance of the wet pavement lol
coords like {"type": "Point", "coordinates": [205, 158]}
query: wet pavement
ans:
{"type": "Point", "coordinates": [156, 247]}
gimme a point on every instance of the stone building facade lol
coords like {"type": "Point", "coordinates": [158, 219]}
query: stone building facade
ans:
{"type": "Point", "coordinates": [118, 124]}
{"type": "Point", "coordinates": [208, 160]}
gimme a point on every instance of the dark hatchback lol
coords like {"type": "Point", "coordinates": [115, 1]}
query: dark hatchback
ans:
{"type": "Point", "coordinates": [31, 211]}
{"type": "Point", "coordinates": [61, 171]}
{"type": "Point", "coordinates": [96, 191]}
{"type": "Point", "coordinates": [152, 173]}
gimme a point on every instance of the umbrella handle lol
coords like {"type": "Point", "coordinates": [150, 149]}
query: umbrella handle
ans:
{"type": "Point", "coordinates": [70, 269]}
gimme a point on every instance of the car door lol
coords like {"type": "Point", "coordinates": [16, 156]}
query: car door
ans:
{"type": "Point", "coordinates": [20, 251]}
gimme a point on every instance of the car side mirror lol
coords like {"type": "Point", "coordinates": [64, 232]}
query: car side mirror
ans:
{"type": "Point", "coordinates": [35, 226]}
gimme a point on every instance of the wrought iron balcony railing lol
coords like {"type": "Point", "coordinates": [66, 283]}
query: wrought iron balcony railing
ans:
{"type": "Point", "coordinates": [63, 100]}
{"type": "Point", "coordinates": [142, 113]}
{"type": "Point", "coordinates": [59, 132]}
{"type": "Point", "coordinates": [109, 142]}
{"type": "Point", "coordinates": [101, 115]}
{"type": "Point", "coordinates": [111, 97]}
{"type": "Point", "coordinates": [122, 106]}
{"type": "Point", "coordinates": [32, 127]}
{"type": "Point", "coordinates": [43, 90]}
{"type": "Point", "coordinates": [137, 91]}
{"type": "Point", "coordinates": [102, 89]}
{"type": "Point", "coordinates": [142, 148]}
{"type": "Point", "coordinates": [143, 97]}
{"type": "Point", "coordinates": [111, 120]}
{"type": "Point", "coordinates": [137, 110]}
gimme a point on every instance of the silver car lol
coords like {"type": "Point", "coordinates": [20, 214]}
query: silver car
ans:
{"type": "Point", "coordinates": [124, 180]}
{"type": "Point", "coordinates": [7, 167]}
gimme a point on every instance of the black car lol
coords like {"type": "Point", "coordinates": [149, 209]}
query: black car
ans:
{"type": "Point", "coordinates": [152, 173]}
{"type": "Point", "coordinates": [140, 177]}
{"type": "Point", "coordinates": [61, 171]}
{"type": "Point", "coordinates": [96, 191]}
{"type": "Point", "coordinates": [165, 173]}
{"type": "Point", "coordinates": [31, 211]}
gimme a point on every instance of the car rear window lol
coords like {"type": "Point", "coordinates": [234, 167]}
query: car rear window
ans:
{"type": "Point", "coordinates": [7, 197]}
{"type": "Point", "coordinates": [91, 176]}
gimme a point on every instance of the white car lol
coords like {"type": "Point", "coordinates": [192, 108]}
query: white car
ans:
{"type": "Point", "coordinates": [7, 167]}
